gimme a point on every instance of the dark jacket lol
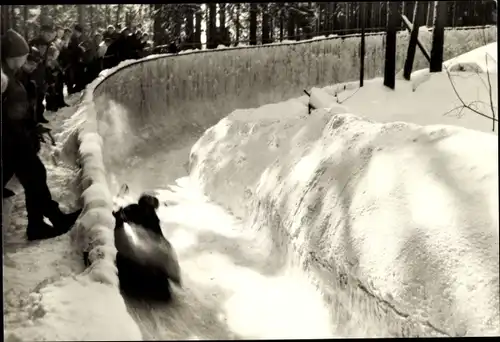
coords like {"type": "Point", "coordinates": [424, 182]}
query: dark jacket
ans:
{"type": "Point", "coordinates": [89, 51]}
{"type": "Point", "coordinates": [39, 75]}
{"type": "Point", "coordinates": [18, 124]}
{"type": "Point", "coordinates": [75, 51]}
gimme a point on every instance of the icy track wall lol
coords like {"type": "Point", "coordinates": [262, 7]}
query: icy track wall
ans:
{"type": "Point", "coordinates": [188, 93]}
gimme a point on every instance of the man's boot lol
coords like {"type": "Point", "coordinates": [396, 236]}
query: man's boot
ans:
{"type": "Point", "coordinates": [64, 222]}
{"type": "Point", "coordinates": [40, 230]}
{"type": "Point", "coordinates": [61, 223]}
{"type": "Point", "coordinates": [37, 228]}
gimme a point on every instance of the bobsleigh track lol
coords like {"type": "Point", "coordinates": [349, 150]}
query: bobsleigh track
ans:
{"type": "Point", "coordinates": [287, 224]}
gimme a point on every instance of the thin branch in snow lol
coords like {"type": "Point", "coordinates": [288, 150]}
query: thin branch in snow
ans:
{"type": "Point", "coordinates": [348, 97]}
{"type": "Point", "coordinates": [490, 92]}
{"type": "Point", "coordinates": [469, 106]}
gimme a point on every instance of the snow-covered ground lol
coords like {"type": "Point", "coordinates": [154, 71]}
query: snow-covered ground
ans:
{"type": "Point", "coordinates": [251, 267]}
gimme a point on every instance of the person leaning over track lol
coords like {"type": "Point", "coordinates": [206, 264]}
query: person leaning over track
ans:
{"type": "Point", "coordinates": [21, 144]}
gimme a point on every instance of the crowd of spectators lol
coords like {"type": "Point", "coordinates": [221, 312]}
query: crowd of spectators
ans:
{"type": "Point", "coordinates": [34, 74]}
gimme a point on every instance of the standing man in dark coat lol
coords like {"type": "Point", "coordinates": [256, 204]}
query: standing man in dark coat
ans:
{"type": "Point", "coordinates": [75, 52]}
{"type": "Point", "coordinates": [21, 145]}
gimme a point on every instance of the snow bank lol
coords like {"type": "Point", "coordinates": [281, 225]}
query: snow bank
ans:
{"type": "Point", "coordinates": [428, 264]}
{"type": "Point", "coordinates": [481, 60]}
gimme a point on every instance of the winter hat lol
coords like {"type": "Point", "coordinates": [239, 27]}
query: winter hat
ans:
{"type": "Point", "coordinates": [14, 45]}
{"type": "Point", "coordinates": [78, 28]}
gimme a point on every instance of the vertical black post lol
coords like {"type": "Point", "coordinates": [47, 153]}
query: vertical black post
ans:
{"type": "Point", "coordinates": [362, 47]}
{"type": "Point", "coordinates": [438, 36]}
{"type": "Point", "coordinates": [390, 44]}
{"type": "Point", "coordinates": [412, 46]}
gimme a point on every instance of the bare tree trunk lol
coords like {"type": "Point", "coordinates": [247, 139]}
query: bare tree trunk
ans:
{"type": "Point", "coordinates": [336, 21]}
{"type": "Point", "coordinates": [368, 15]}
{"type": "Point", "coordinates": [362, 51]}
{"type": "Point", "coordinates": [320, 17]}
{"type": "Point", "coordinates": [266, 39]}
{"type": "Point", "coordinates": [290, 24]}
{"type": "Point", "coordinates": [212, 26]}
{"type": "Point", "coordinates": [141, 15]}
{"type": "Point", "coordinates": [180, 16]}
{"type": "Point", "coordinates": [119, 10]}
{"type": "Point", "coordinates": [13, 18]}
{"type": "Point", "coordinates": [197, 32]}
{"type": "Point", "coordinates": [253, 23]}
{"type": "Point", "coordinates": [91, 17]}
{"type": "Point", "coordinates": [81, 14]}
{"type": "Point", "coordinates": [347, 16]}
{"type": "Point", "coordinates": [453, 13]}
{"type": "Point", "coordinates": [222, 15]}
{"type": "Point", "coordinates": [430, 14]}
{"type": "Point", "coordinates": [25, 21]}
{"type": "Point", "coordinates": [5, 20]}
{"type": "Point", "coordinates": [222, 23]}
{"type": "Point", "coordinates": [158, 31]}
{"type": "Point", "coordinates": [308, 30]}
{"type": "Point", "coordinates": [237, 24]}
{"type": "Point", "coordinates": [107, 15]}
{"type": "Point", "coordinates": [44, 17]}
{"type": "Point", "coordinates": [328, 18]}
{"type": "Point", "coordinates": [274, 22]}
{"type": "Point", "coordinates": [189, 27]}
{"type": "Point", "coordinates": [282, 26]}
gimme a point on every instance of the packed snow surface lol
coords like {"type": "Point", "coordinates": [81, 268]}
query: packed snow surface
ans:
{"type": "Point", "coordinates": [290, 224]}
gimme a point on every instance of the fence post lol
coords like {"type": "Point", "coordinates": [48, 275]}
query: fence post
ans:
{"type": "Point", "coordinates": [438, 36]}
{"type": "Point", "coordinates": [412, 45]}
{"type": "Point", "coordinates": [362, 47]}
{"type": "Point", "coordinates": [390, 44]}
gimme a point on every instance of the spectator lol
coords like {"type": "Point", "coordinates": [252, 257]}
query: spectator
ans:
{"type": "Point", "coordinates": [146, 45]}
{"type": "Point", "coordinates": [66, 37]}
{"type": "Point", "coordinates": [76, 68]}
{"type": "Point", "coordinates": [65, 58]}
{"type": "Point", "coordinates": [123, 48]}
{"type": "Point", "coordinates": [99, 48]}
{"type": "Point", "coordinates": [42, 43]}
{"type": "Point", "coordinates": [58, 42]}
{"type": "Point", "coordinates": [110, 33]}
{"type": "Point", "coordinates": [55, 97]}
{"type": "Point", "coordinates": [21, 144]}
{"type": "Point", "coordinates": [26, 78]}
{"type": "Point", "coordinates": [56, 73]}
{"type": "Point", "coordinates": [107, 58]}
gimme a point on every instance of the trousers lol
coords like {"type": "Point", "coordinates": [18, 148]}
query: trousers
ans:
{"type": "Point", "coordinates": [24, 162]}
